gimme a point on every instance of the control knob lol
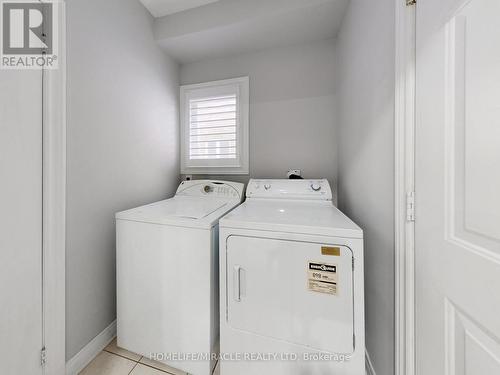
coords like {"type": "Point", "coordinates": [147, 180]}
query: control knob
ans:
{"type": "Point", "coordinates": [315, 186]}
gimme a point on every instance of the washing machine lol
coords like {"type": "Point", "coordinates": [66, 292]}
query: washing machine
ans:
{"type": "Point", "coordinates": [167, 275]}
{"type": "Point", "coordinates": [291, 274]}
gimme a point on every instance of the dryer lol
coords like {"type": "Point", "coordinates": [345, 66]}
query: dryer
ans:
{"type": "Point", "coordinates": [291, 279]}
{"type": "Point", "coordinates": [167, 275]}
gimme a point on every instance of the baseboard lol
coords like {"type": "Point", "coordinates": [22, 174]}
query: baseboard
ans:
{"type": "Point", "coordinates": [91, 350]}
{"type": "Point", "coordinates": [369, 365]}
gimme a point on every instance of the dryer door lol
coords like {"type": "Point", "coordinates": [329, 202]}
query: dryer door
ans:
{"type": "Point", "coordinates": [298, 292]}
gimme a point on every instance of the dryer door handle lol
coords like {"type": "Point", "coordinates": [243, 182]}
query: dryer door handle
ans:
{"type": "Point", "coordinates": [237, 283]}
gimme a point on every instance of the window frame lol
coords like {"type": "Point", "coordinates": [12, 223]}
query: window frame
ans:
{"type": "Point", "coordinates": [240, 165]}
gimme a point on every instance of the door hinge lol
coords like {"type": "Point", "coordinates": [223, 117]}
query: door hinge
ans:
{"type": "Point", "coordinates": [43, 356]}
{"type": "Point", "coordinates": [353, 264]}
{"type": "Point", "coordinates": [409, 3]}
{"type": "Point", "coordinates": [410, 206]}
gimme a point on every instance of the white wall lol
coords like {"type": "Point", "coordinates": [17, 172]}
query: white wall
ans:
{"type": "Point", "coordinates": [365, 68]}
{"type": "Point", "coordinates": [292, 112]}
{"type": "Point", "coordinates": [122, 147]}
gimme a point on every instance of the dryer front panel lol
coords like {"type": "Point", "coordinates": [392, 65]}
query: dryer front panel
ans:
{"type": "Point", "coordinates": [297, 292]}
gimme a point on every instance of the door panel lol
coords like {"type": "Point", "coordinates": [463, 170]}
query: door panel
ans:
{"type": "Point", "coordinates": [20, 222]}
{"type": "Point", "coordinates": [457, 185]}
{"type": "Point", "coordinates": [269, 292]}
{"type": "Point", "coordinates": [473, 50]}
{"type": "Point", "coordinates": [472, 350]}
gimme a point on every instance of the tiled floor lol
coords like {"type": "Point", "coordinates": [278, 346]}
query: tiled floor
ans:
{"type": "Point", "coordinates": [117, 361]}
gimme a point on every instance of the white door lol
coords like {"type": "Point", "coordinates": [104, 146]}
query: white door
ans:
{"type": "Point", "coordinates": [290, 291]}
{"type": "Point", "coordinates": [20, 222]}
{"type": "Point", "coordinates": [458, 187]}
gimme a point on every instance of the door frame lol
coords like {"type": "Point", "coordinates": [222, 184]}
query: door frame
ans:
{"type": "Point", "coordinates": [54, 197]}
{"type": "Point", "coordinates": [405, 106]}
{"type": "Point", "coordinates": [54, 208]}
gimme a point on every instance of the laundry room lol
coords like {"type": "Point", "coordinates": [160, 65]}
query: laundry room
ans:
{"type": "Point", "coordinates": [131, 117]}
{"type": "Point", "coordinates": [243, 187]}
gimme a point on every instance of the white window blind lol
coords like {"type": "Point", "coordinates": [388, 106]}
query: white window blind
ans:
{"type": "Point", "coordinates": [214, 127]}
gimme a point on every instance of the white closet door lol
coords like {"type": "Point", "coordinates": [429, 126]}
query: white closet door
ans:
{"type": "Point", "coordinates": [458, 187]}
{"type": "Point", "coordinates": [20, 222]}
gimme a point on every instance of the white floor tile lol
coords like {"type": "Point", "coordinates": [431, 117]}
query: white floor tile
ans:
{"type": "Point", "coordinates": [146, 370]}
{"type": "Point", "coordinates": [114, 348]}
{"type": "Point", "coordinates": [108, 364]}
{"type": "Point", "coordinates": [161, 366]}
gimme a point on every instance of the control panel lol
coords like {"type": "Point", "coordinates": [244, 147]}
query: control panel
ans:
{"type": "Point", "coordinates": [290, 189]}
{"type": "Point", "coordinates": [211, 188]}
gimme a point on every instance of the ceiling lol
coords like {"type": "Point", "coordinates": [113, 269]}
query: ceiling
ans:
{"type": "Point", "coordinates": [228, 27]}
{"type": "Point", "coordinates": [160, 8]}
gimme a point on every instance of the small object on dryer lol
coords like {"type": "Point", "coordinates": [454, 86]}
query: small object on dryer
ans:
{"type": "Point", "coordinates": [294, 174]}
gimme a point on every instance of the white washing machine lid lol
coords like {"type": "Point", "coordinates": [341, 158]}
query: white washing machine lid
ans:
{"type": "Point", "coordinates": [293, 216]}
{"type": "Point", "coordinates": [181, 211]}
{"type": "Point", "coordinates": [197, 203]}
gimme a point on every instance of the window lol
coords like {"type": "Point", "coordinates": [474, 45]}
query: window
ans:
{"type": "Point", "coordinates": [214, 127]}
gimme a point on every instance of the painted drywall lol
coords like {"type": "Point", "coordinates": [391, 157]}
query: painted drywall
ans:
{"type": "Point", "coordinates": [122, 148]}
{"type": "Point", "coordinates": [292, 111]}
{"type": "Point", "coordinates": [365, 71]}
{"type": "Point", "coordinates": [230, 27]}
